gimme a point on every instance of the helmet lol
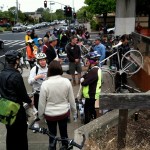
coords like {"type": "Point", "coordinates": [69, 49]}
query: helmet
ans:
{"type": "Point", "coordinates": [12, 55]}
{"type": "Point", "coordinates": [40, 39]}
{"type": "Point", "coordinates": [93, 56]}
{"type": "Point", "coordinates": [40, 56]}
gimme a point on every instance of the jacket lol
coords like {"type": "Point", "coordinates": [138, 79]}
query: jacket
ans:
{"type": "Point", "coordinates": [73, 52]}
{"type": "Point", "coordinates": [55, 96]}
{"type": "Point", "coordinates": [36, 84]}
{"type": "Point", "coordinates": [50, 53]}
{"type": "Point", "coordinates": [92, 83]}
{"type": "Point", "coordinates": [12, 86]}
{"type": "Point", "coordinates": [30, 54]}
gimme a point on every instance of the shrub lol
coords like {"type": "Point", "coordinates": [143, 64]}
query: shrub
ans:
{"type": "Point", "coordinates": [1, 29]}
{"type": "Point", "coordinates": [94, 25]}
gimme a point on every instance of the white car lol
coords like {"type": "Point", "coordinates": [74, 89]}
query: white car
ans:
{"type": "Point", "coordinates": [111, 30]}
{"type": "Point", "coordinates": [19, 28]}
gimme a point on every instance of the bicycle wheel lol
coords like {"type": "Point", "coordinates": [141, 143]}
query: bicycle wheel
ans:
{"type": "Point", "coordinates": [107, 81]}
{"type": "Point", "coordinates": [132, 62]}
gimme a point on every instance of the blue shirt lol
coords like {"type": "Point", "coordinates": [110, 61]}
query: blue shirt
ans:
{"type": "Point", "coordinates": [100, 48]}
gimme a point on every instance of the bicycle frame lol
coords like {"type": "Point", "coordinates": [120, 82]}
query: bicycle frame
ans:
{"type": "Point", "coordinates": [71, 142]}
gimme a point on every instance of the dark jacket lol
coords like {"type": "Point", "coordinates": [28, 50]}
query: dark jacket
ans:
{"type": "Point", "coordinates": [73, 52]}
{"type": "Point", "coordinates": [92, 83]}
{"type": "Point", "coordinates": [50, 53]}
{"type": "Point", "coordinates": [122, 49]}
{"type": "Point", "coordinates": [12, 86]}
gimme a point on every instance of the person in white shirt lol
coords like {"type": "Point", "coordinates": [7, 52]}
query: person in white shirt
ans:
{"type": "Point", "coordinates": [56, 98]}
{"type": "Point", "coordinates": [37, 75]}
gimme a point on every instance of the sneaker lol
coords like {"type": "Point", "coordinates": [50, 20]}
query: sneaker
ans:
{"type": "Point", "coordinates": [36, 126]}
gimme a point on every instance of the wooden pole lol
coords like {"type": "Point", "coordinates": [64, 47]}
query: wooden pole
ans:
{"type": "Point", "coordinates": [122, 128]}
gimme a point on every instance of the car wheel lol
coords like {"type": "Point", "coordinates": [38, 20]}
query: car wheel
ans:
{"type": "Point", "coordinates": [2, 45]}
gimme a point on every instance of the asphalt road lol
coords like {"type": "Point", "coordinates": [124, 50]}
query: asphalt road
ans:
{"type": "Point", "coordinates": [16, 40]}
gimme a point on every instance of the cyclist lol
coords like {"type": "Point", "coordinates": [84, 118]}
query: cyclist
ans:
{"type": "Point", "coordinates": [91, 86]}
{"type": "Point", "coordinates": [27, 36]}
{"type": "Point", "coordinates": [121, 79]}
{"type": "Point", "coordinates": [55, 94]}
{"type": "Point", "coordinates": [12, 87]}
{"type": "Point", "coordinates": [31, 50]}
{"type": "Point", "coordinates": [37, 75]}
{"type": "Point", "coordinates": [101, 49]}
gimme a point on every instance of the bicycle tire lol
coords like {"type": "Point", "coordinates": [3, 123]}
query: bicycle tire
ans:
{"type": "Point", "coordinates": [132, 62]}
{"type": "Point", "coordinates": [107, 81]}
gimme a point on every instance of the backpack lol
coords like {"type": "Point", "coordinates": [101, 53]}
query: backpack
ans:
{"type": "Point", "coordinates": [37, 69]}
{"type": "Point", "coordinates": [8, 111]}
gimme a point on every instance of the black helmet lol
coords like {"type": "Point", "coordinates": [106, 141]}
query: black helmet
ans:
{"type": "Point", "coordinates": [12, 55]}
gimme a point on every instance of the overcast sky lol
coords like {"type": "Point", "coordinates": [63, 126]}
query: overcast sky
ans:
{"type": "Point", "coordinates": [32, 5]}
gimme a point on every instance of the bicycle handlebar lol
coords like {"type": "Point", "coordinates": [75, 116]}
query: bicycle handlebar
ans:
{"type": "Point", "coordinates": [45, 131]}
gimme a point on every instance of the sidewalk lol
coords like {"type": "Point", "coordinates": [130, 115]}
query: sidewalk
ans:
{"type": "Point", "coordinates": [39, 141]}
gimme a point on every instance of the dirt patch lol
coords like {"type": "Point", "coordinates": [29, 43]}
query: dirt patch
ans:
{"type": "Point", "coordinates": [137, 138]}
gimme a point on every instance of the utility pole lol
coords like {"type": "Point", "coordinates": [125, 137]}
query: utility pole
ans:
{"type": "Point", "coordinates": [16, 11]}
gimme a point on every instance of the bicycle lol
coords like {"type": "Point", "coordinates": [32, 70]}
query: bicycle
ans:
{"type": "Point", "coordinates": [71, 142]}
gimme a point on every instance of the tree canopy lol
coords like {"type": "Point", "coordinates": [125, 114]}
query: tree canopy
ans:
{"type": "Point", "coordinates": [101, 6]}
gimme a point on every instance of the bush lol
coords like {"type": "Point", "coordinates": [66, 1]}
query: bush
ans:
{"type": "Point", "coordinates": [94, 25]}
{"type": "Point", "coordinates": [1, 29]}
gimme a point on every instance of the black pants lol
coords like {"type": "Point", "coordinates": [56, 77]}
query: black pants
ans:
{"type": "Point", "coordinates": [36, 100]}
{"type": "Point", "coordinates": [52, 126]}
{"type": "Point", "coordinates": [31, 63]}
{"type": "Point", "coordinates": [120, 80]}
{"type": "Point", "coordinates": [16, 138]}
{"type": "Point", "coordinates": [89, 110]}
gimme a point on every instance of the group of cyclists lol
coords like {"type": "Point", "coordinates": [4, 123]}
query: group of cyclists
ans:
{"type": "Point", "coordinates": [53, 94]}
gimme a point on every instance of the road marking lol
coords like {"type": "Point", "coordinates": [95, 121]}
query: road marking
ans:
{"type": "Point", "coordinates": [14, 42]}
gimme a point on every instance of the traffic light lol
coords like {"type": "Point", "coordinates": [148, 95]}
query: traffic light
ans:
{"type": "Point", "coordinates": [74, 15]}
{"type": "Point", "coordinates": [65, 10]}
{"type": "Point", "coordinates": [69, 12]}
{"type": "Point", "coordinates": [45, 4]}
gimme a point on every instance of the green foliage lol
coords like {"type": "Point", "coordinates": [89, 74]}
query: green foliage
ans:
{"type": "Point", "coordinates": [1, 29]}
{"type": "Point", "coordinates": [101, 6]}
{"type": "Point", "coordinates": [94, 25]}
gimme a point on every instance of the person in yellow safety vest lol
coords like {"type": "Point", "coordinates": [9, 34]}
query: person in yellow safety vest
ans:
{"type": "Point", "coordinates": [91, 86]}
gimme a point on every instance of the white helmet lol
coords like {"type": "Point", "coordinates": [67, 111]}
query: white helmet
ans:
{"type": "Point", "coordinates": [40, 56]}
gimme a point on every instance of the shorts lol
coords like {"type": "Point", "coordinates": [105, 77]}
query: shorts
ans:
{"type": "Point", "coordinates": [74, 67]}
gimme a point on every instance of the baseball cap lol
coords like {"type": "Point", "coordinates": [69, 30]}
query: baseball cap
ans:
{"type": "Point", "coordinates": [97, 38]}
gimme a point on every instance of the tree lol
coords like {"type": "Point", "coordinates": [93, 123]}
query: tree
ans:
{"type": "Point", "coordinates": [60, 14]}
{"type": "Point", "coordinates": [40, 10]}
{"type": "Point", "coordinates": [101, 7]}
{"type": "Point", "coordinates": [143, 7]}
{"type": "Point", "coordinates": [84, 14]}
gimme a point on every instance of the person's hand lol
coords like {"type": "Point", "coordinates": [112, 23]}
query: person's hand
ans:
{"type": "Point", "coordinates": [39, 76]}
{"type": "Point", "coordinates": [76, 60]}
{"type": "Point", "coordinates": [75, 117]}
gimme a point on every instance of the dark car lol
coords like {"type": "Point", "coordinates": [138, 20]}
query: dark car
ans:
{"type": "Point", "coordinates": [1, 44]}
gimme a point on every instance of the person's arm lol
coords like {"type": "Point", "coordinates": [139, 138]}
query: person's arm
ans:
{"type": "Point", "coordinates": [90, 77]}
{"type": "Point", "coordinates": [103, 53]}
{"type": "Point", "coordinates": [20, 89]}
{"type": "Point", "coordinates": [42, 102]}
{"type": "Point", "coordinates": [31, 78]}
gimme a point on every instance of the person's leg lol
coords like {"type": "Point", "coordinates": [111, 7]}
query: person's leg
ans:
{"type": "Point", "coordinates": [117, 81]}
{"type": "Point", "coordinates": [36, 100]}
{"type": "Point", "coordinates": [52, 126]}
{"type": "Point", "coordinates": [93, 111]}
{"type": "Point", "coordinates": [63, 130]}
{"type": "Point", "coordinates": [87, 111]}
{"type": "Point", "coordinates": [79, 70]}
{"type": "Point", "coordinates": [16, 138]}
{"type": "Point", "coordinates": [72, 71]}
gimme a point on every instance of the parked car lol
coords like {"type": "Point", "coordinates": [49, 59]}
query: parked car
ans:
{"type": "Point", "coordinates": [111, 30]}
{"type": "Point", "coordinates": [19, 28]}
{"type": "Point", "coordinates": [1, 44]}
{"type": "Point", "coordinates": [30, 27]}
